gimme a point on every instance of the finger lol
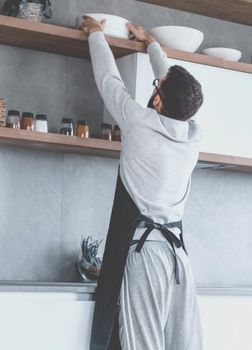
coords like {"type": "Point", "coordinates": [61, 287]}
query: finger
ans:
{"type": "Point", "coordinates": [132, 28]}
{"type": "Point", "coordinates": [134, 25]}
{"type": "Point", "coordinates": [131, 31]}
{"type": "Point", "coordinates": [103, 23]}
{"type": "Point", "coordinates": [88, 18]}
{"type": "Point", "coordinates": [129, 26]}
{"type": "Point", "coordinates": [83, 27]}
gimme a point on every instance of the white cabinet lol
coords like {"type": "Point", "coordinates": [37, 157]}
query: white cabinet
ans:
{"type": "Point", "coordinates": [63, 321]}
{"type": "Point", "coordinates": [53, 321]}
{"type": "Point", "coordinates": [225, 117]}
{"type": "Point", "coordinates": [226, 321]}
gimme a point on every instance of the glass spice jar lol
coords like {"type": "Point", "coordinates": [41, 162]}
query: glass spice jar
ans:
{"type": "Point", "coordinates": [116, 133]}
{"type": "Point", "coordinates": [67, 127]}
{"type": "Point", "coordinates": [41, 124]}
{"type": "Point", "coordinates": [82, 129]}
{"type": "Point", "coordinates": [13, 119]}
{"type": "Point", "coordinates": [27, 122]}
{"type": "Point", "coordinates": [2, 112]}
{"type": "Point", "coordinates": [106, 131]}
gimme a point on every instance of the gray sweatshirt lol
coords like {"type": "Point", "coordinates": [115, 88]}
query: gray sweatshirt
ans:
{"type": "Point", "coordinates": [158, 153]}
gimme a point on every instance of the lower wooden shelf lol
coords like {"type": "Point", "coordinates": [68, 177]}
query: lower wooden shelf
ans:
{"type": "Point", "coordinates": [58, 142]}
{"type": "Point", "coordinates": [104, 148]}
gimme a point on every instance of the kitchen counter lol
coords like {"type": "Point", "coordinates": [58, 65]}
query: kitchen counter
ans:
{"type": "Point", "coordinates": [47, 287]}
{"type": "Point", "coordinates": [89, 288]}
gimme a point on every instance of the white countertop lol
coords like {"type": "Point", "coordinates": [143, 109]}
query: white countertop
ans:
{"type": "Point", "coordinates": [90, 287]}
{"type": "Point", "coordinates": [51, 287]}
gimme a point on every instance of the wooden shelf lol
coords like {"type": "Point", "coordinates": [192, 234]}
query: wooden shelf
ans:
{"type": "Point", "coordinates": [56, 39]}
{"type": "Point", "coordinates": [103, 148]}
{"type": "Point", "coordinates": [239, 11]}
{"type": "Point", "coordinates": [58, 142]}
{"type": "Point", "coordinates": [222, 161]}
{"type": "Point", "coordinates": [73, 42]}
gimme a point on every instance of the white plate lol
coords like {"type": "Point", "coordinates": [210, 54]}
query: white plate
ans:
{"type": "Point", "coordinates": [177, 37]}
{"type": "Point", "coordinates": [115, 25]}
{"type": "Point", "coordinates": [223, 52]}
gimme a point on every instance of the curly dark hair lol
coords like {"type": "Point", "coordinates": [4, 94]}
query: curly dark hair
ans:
{"type": "Point", "coordinates": [182, 94]}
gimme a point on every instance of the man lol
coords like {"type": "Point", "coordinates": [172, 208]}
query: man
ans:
{"type": "Point", "coordinates": [146, 296]}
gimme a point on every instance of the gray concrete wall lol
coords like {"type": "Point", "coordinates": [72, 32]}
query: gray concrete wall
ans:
{"type": "Point", "coordinates": [49, 200]}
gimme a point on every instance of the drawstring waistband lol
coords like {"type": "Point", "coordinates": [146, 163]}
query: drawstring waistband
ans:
{"type": "Point", "coordinates": [144, 221]}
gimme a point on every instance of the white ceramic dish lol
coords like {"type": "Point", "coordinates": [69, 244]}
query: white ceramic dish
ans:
{"type": "Point", "coordinates": [115, 25]}
{"type": "Point", "coordinates": [223, 52]}
{"type": "Point", "coordinates": [177, 37]}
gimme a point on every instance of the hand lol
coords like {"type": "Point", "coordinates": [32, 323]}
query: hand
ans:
{"type": "Point", "coordinates": [90, 25]}
{"type": "Point", "coordinates": [140, 33]}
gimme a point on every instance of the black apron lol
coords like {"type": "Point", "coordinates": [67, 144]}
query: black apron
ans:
{"type": "Point", "coordinates": [125, 218]}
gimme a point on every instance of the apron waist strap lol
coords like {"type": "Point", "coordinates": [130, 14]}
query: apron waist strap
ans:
{"type": "Point", "coordinates": [143, 221]}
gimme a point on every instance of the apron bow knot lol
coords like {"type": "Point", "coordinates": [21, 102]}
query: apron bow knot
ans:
{"type": "Point", "coordinates": [149, 224]}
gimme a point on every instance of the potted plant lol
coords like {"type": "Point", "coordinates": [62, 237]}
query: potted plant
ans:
{"type": "Point", "coordinates": [89, 262]}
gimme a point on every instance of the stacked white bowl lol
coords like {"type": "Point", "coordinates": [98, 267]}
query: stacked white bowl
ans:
{"type": "Point", "coordinates": [225, 53]}
{"type": "Point", "coordinates": [115, 25]}
{"type": "Point", "coordinates": [178, 37]}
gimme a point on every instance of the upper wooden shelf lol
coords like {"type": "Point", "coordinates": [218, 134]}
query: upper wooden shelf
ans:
{"type": "Point", "coordinates": [56, 39]}
{"type": "Point", "coordinates": [98, 147]}
{"type": "Point", "coordinates": [73, 42]}
{"type": "Point", "coordinates": [239, 11]}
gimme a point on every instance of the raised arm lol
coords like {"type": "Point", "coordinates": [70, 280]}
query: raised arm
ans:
{"type": "Point", "coordinates": [109, 82]}
{"type": "Point", "coordinates": [158, 58]}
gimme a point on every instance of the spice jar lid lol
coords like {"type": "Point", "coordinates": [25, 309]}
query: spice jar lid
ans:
{"type": "Point", "coordinates": [13, 112]}
{"type": "Point", "coordinates": [67, 120]}
{"type": "Point", "coordinates": [41, 117]}
{"type": "Point", "coordinates": [106, 126]}
{"type": "Point", "coordinates": [27, 115]}
{"type": "Point", "coordinates": [82, 122]}
{"type": "Point", "coordinates": [116, 127]}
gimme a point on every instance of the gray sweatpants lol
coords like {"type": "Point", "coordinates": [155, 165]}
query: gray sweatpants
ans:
{"type": "Point", "coordinates": [155, 313]}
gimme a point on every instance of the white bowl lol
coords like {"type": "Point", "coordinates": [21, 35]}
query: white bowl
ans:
{"type": "Point", "coordinates": [223, 52]}
{"type": "Point", "coordinates": [177, 37]}
{"type": "Point", "coordinates": [115, 26]}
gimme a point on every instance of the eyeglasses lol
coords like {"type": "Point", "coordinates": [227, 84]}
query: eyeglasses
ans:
{"type": "Point", "coordinates": [155, 84]}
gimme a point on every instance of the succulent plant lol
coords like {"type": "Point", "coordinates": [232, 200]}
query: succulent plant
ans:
{"type": "Point", "coordinates": [90, 247]}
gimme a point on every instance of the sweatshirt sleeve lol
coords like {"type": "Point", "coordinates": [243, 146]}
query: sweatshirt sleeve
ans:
{"type": "Point", "coordinates": [158, 59]}
{"type": "Point", "coordinates": [109, 82]}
